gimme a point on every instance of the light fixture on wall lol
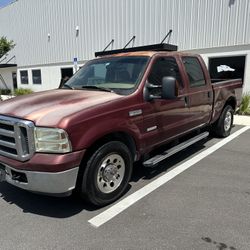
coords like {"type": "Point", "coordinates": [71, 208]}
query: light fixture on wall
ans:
{"type": "Point", "coordinates": [48, 37]}
{"type": "Point", "coordinates": [77, 31]}
{"type": "Point", "coordinates": [231, 3]}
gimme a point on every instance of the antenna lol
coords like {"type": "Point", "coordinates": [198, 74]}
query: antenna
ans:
{"type": "Point", "coordinates": [168, 35]}
{"type": "Point", "coordinates": [111, 42]}
{"type": "Point", "coordinates": [132, 39]}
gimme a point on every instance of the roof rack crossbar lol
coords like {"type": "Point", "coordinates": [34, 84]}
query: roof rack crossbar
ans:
{"type": "Point", "coordinates": [152, 47]}
{"type": "Point", "coordinates": [132, 39]}
{"type": "Point", "coordinates": [111, 42]}
{"type": "Point", "coordinates": [168, 35]}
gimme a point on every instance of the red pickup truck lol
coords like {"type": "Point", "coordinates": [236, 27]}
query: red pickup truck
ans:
{"type": "Point", "coordinates": [116, 110]}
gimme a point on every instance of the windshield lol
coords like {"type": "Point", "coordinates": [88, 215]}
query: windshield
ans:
{"type": "Point", "coordinates": [117, 74]}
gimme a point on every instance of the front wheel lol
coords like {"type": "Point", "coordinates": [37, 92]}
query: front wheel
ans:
{"type": "Point", "coordinates": [107, 173]}
{"type": "Point", "coordinates": [223, 126]}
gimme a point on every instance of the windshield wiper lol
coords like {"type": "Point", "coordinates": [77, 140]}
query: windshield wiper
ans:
{"type": "Point", "coordinates": [67, 86]}
{"type": "Point", "coordinates": [98, 88]}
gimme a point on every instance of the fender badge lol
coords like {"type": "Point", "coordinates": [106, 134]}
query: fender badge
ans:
{"type": "Point", "coordinates": [135, 112]}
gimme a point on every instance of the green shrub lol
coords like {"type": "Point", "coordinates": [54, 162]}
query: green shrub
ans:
{"type": "Point", "coordinates": [22, 91]}
{"type": "Point", "coordinates": [5, 91]}
{"type": "Point", "coordinates": [245, 105]}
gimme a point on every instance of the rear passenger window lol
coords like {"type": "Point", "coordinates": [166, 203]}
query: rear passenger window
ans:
{"type": "Point", "coordinates": [194, 72]}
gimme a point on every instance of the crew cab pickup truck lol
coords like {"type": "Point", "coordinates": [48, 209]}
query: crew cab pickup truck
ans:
{"type": "Point", "coordinates": [116, 110]}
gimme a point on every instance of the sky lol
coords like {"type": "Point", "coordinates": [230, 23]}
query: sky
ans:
{"type": "Point", "coordinates": [4, 2]}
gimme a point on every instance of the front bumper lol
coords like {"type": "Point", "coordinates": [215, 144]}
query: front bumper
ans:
{"type": "Point", "coordinates": [51, 174]}
{"type": "Point", "coordinates": [56, 184]}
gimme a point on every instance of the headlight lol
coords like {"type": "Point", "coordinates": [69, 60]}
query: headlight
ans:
{"type": "Point", "coordinates": [51, 140]}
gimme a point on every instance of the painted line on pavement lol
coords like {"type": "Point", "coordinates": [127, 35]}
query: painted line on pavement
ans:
{"type": "Point", "coordinates": [120, 206]}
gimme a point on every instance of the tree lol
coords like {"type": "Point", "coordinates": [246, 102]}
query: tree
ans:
{"type": "Point", "coordinates": [5, 45]}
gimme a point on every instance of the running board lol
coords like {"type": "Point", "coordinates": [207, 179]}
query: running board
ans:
{"type": "Point", "coordinates": [158, 158]}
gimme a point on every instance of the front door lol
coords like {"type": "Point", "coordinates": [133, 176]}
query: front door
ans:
{"type": "Point", "coordinates": [171, 116]}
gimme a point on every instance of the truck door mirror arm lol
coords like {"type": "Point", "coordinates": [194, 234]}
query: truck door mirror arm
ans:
{"type": "Point", "coordinates": [148, 96]}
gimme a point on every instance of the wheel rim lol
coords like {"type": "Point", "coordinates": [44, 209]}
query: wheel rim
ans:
{"type": "Point", "coordinates": [110, 173]}
{"type": "Point", "coordinates": [228, 121]}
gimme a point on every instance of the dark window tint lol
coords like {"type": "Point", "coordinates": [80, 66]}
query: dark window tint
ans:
{"type": "Point", "coordinates": [36, 76]}
{"type": "Point", "coordinates": [24, 77]}
{"type": "Point", "coordinates": [194, 72]}
{"type": "Point", "coordinates": [166, 66]}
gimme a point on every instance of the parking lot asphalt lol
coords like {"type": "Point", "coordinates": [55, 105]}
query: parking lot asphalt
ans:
{"type": "Point", "coordinates": [207, 206]}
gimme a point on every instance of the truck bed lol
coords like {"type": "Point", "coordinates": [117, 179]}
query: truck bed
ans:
{"type": "Point", "coordinates": [221, 92]}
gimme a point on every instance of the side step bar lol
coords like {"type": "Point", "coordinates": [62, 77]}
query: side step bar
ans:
{"type": "Point", "coordinates": [158, 158]}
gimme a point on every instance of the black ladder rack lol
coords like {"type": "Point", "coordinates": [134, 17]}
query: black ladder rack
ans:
{"type": "Point", "coordinates": [152, 47]}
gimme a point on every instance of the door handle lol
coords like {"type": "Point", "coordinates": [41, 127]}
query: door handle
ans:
{"type": "Point", "coordinates": [186, 99]}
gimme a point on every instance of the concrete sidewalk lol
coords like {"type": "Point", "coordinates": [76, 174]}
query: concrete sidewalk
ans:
{"type": "Point", "coordinates": [242, 120]}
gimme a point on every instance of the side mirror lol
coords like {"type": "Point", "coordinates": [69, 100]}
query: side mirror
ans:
{"type": "Point", "coordinates": [169, 87]}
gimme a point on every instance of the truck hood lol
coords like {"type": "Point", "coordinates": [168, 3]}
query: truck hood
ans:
{"type": "Point", "coordinates": [49, 108]}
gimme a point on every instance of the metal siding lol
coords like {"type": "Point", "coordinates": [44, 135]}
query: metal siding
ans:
{"type": "Point", "coordinates": [195, 24]}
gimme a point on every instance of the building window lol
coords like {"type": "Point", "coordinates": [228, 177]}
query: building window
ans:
{"type": "Point", "coordinates": [24, 76]}
{"type": "Point", "coordinates": [194, 72]}
{"type": "Point", "coordinates": [221, 68]}
{"type": "Point", "coordinates": [36, 76]}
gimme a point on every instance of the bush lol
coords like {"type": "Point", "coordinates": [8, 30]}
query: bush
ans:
{"type": "Point", "coordinates": [22, 92]}
{"type": "Point", "coordinates": [5, 92]}
{"type": "Point", "coordinates": [245, 105]}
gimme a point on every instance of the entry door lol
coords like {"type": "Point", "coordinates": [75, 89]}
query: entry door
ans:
{"type": "Point", "coordinates": [66, 72]}
{"type": "Point", "coordinates": [171, 117]}
{"type": "Point", "coordinates": [14, 80]}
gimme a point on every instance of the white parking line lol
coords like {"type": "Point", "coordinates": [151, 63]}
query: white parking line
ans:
{"type": "Point", "coordinates": [117, 208]}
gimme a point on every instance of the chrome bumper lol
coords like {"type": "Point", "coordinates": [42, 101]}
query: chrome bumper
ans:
{"type": "Point", "coordinates": [56, 184]}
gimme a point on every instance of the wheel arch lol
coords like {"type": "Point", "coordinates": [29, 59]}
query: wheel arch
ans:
{"type": "Point", "coordinates": [218, 111]}
{"type": "Point", "coordinates": [121, 136]}
{"type": "Point", "coordinates": [232, 102]}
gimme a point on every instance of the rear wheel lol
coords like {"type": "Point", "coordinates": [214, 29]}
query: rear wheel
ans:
{"type": "Point", "coordinates": [107, 174]}
{"type": "Point", "coordinates": [223, 126]}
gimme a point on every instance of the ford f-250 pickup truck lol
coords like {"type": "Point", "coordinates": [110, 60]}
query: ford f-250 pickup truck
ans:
{"type": "Point", "coordinates": [116, 110]}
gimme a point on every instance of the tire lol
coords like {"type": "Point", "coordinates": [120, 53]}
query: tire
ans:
{"type": "Point", "coordinates": [107, 174]}
{"type": "Point", "coordinates": [223, 126]}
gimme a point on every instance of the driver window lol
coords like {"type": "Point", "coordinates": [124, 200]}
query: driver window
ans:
{"type": "Point", "coordinates": [164, 66]}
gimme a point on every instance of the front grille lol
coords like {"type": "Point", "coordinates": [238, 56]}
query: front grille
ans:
{"type": "Point", "coordinates": [16, 138]}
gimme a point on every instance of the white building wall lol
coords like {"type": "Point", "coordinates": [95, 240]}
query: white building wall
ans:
{"type": "Point", "coordinates": [212, 26]}
{"type": "Point", "coordinates": [195, 24]}
{"type": "Point", "coordinates": [51, 76]}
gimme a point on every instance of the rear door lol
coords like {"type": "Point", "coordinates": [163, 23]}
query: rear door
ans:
{"type": "Point", "coordinates": [200, 93]}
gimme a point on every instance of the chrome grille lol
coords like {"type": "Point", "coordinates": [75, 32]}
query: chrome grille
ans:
{"type": "Point", "coordinates": [16, 138]}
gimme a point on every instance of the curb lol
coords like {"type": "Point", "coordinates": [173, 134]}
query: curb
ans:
{"type": "Point", "coordinates": [242, 120]}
